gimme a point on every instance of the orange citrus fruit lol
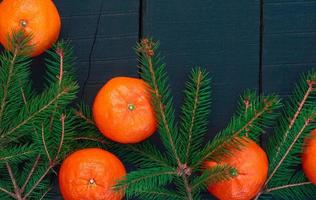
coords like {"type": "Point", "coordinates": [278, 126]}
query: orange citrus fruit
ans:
{"type": "Point", "coordinates": [123, 112]}
{"type": "Point", "coordinates": [251, 164]}
{"type": "Point", "coordinates": [309, 158]}
{"type": "Point", "coordinates": [38, 18]}
{"type": "Point", "coordinates": [90, 174]}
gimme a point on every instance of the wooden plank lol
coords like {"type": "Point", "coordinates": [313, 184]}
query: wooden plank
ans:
{"type": "Point", "coordinates": [109, 51]}
{"type": "Point", "coordinates": [289, 43]}
{"type": "Point", "coordinates": [222, 36]}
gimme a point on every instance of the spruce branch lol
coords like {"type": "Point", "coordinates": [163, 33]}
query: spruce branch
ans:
{"type": "Point", "coordinates": [195, 111]}
{"type": "Point", "coordinates": [211, 176]}
{"type": "Point", "coordinates": [62, 119]}
{"type": "Point", "coordinates": [30, 173]}
{"type": "Point", "coordinates": [188, 187]}
{"type": "Point", "coordinates": [301, 104]}
{"type": "Point", "coordinates": [254, 114]}
{"type": "Point", "coordinates": [44, 144]}
{"type": "Point", "coordinates": [143, 155]}
{"type": "Point", "coordinates": [39, 181]}
{"type": "Point", "coordinates": [307, 122]}
{"type": "Point", "coordinates": [59, 65]}
{"type": "Point", "coordinates": [15, 185]}
{"type": "Point", "coordinates": [52, 162]}
{"type": "Point", "coordinates": [16, 153]}
{"type": "Point", "coordinates": [287, 186]}
{"type": "Point", "coordinates": [6, 85]}
{"type": "Point", "coordinates": [286, 143]}
{"type": "Point", "coordinates": [146, 180]}
{"type": "Point", "coordinates": [8, 193]}
{"type": "Point", "coordinates": [159, 194]}
{"type": "Point", "coordinates": [45, 193]}
{"type": "Point", "coordinates": [25, 115]}
{"type": "Point", "coordinates": [19, 46]}
{"type": "Point", "coordinates": [153, 72]}
{"type": "Point", "coordinates": [81, 115]}
{"type": "Point", "coordinates": [36, 113]}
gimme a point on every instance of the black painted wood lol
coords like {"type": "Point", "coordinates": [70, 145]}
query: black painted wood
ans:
{"type": "Point", "coordinates": [222, 36]}
{"type": "Point", "coordinates": [289, 43]}
{"type": "Point", "coordinates": [103, 34]}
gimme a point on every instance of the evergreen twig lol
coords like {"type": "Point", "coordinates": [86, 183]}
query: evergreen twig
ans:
{"type": "Point", "coordinates": [287, 186]}
{"type": "Point", "coordinates": [285, 145]}
{"type": "Point", "coordinates": [30, 174]}
{"type": "Point", "coordinates": [24, 114]}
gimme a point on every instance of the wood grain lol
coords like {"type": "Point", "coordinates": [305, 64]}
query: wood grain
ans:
{"type": "Point", "coordinates": [221, 36]}
{"type": "Point", "coordinates": [289, 43]}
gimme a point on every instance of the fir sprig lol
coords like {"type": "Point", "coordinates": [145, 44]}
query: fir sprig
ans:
{"type": "Point", "coordinates": [154, 73]}
{"type": "Point", "coordinates": [146, 179]}
{"type": "Point", "coordinates": [254, 114]}
{"type": "Point", "coordinates": [211, 176]}
{"type": "Point", "coordinates": [31, 144]}
{"type": "Point", "coordinates": [194, 115]}
{"type": "Point", "coordinates": [285, 145]}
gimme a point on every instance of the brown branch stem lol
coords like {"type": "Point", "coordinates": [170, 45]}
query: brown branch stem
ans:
{"type": "Point", "coordinates": [60, 53]}
{"type": "Point", "coordinates": [16, 188]}
{"type": "Point", "coordinates": [286, 186]}
{"type": "Point", "coordinates": [30, 174]}
{"type": "Point", "coordinates": [62, 136]}
{"type": "Point", "coordinates": [8, 193]}
{"type": "Point", "coordinates": [82, 116]}
{"type": "Point", "coordinates": [44, 144]}
{"type": "Point", "coordinates": [187, 186]}
{"type": "Point", "coordinates": [39, 180]}
{"type": "Point", "coordinates": [42, 197]}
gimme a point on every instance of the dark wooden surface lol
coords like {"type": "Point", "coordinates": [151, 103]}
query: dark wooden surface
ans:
{"type": "Point", "coordinates": [222, 36]}
{"type": "Point", "coordinates": [263, 45]}
{"type": "Point", "coordinates": [103, 33]}
{"type": "Point", "coordinates": [289, 43]}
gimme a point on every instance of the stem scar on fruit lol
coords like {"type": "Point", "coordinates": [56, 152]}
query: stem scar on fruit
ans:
{"type": "Point", "coordinates": [23, 23]}
{"type": "Point", "coordinates": [92, 182]}
{"type": "Point", "coordinates": [233, 172]}
{"type": "Point", "coordinates": [131, 107]}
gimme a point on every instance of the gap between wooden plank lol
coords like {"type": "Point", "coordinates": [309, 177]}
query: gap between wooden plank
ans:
{"type": "Point", "coordinates": [141, 20]}
{"type": "Point", "coordinates": [261, 40]}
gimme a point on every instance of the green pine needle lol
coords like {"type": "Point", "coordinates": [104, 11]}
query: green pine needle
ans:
{"type": "Point", "coordinates": [18, 153]}
{"type": "Point", "coordinates": [37, 130]}
{"type": "Point", "coordinates": [158, 194]}
{"type": "Point", "coordinates": [154, 73]}
{"type": "Point", "coordinates": [254, 114]}
{"type": "Point", "coordinates": [146, 179]}
{"type": "Point", "coordinates": [210, 176]}
{"type": "Point", "coordinates": [195, 114]}
{"type": "Point", "coordinates": [285, 145]}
